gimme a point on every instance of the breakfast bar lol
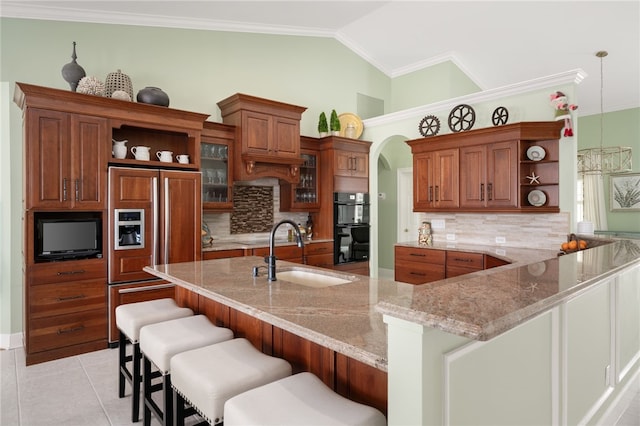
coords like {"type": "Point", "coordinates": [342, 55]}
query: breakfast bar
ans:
{"type": "Point", "coordinates": [438, 339]}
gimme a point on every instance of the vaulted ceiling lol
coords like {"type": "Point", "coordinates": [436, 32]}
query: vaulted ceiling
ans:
{"type": "Point", "coordinates": [496, 43]}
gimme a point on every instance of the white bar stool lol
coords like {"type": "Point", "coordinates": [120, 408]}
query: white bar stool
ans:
{"type": "Point", "coordinates": [130, 318]}
{"type": "Point", "coordinates": [207, 377]}
{"type": "Point", "coordinates": [301, 399]}
{"type": "Point", "coordinates": [158, 343]}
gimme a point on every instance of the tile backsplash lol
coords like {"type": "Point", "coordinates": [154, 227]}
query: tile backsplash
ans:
{"type": "Point", "coordinates": [256, 210]}
{"type": "Point", "coordinates": [544, 231]}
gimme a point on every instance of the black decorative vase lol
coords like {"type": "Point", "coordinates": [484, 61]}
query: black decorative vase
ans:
{"type": "Point", "coordinates": [72, 72]}
{"type": "Point", "coordinates": [153, 96]}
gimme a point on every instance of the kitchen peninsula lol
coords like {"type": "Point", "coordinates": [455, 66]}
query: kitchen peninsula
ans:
{"type": "Point", "coordinates": [444, 338]}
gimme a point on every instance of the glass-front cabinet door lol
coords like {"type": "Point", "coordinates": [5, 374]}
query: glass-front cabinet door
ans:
{"type": "Point", "coordinates": [303, 196]}
{"type": "Point", "coordinates": [216, 150]}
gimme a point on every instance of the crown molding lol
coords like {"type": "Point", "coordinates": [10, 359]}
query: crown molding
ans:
{"type": "Point", "coordinates": [569, 77]}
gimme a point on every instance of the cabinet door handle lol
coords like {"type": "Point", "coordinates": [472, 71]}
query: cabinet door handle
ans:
{"type": "Point", "coordinates": [70, 330]}
{"type": "Point", "coordinates": [482, 192]}
{"type": "Point", "coordinates": [77, 190]}
{"type": "Point", "coordinates": [417, 254]}
{"type": "Point", "coordinates": [430, 194]}
{"type": "Point", "coordinates": [420, 274]}
{"type": "Point", "coordinates": [460, 259]}
{"type": "Point", "coordinates": [437, 193]}
{"type": "Point", "coordinates": [490, 190]}
{"type": "Point", "coordinates": [355, 163]}
{"type": "Point", "coordinates": [64, 189]}
{"type": "Point", "coordinates": [67, 298]}
{"type": "Point", "coordinates": [78, 271]}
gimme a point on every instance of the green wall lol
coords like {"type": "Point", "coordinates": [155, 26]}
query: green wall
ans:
{"type": "Point", "coordinates": [620, 128]}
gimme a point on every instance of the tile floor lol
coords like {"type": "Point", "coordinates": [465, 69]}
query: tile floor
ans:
{"type": "Point", "coordinates": [83, 391]}
{"type": "Point", "coordinates": [75, 391]}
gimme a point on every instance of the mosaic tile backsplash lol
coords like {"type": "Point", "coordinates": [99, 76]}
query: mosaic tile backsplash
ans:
{"type": "Point", "coordinates": [252, 209]}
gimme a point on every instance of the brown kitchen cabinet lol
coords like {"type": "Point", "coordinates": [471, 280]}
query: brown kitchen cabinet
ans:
{"type": "Point", "coordinates": [491, 171]}
{"type": "Point", "coordinates": [268, 138]}
{"type": "Point", "coordinates": [66, 156]}
{"type": "Point", "coordinates": [460, 263]}
{"type": "Point", "coordinates": [319, 254]}
{"type": "Point", "coordinates": [546, 170]}
{"type": "Point", "coordinates": [303, 195]}
{"type": "Point", "coordinates": [216, 162]}
{"type": "Point", "coordinates": [418, 266]}
{"type": "Point", "coordinates": [349, 163]}
{"type": "Point", "coordinates": [66, 309]}
{"type": "Point", "coordinates": [436, 180]}
{"type": "Point", "coordinates": [222, 254]}
{"type": "Point", "coordinates": [488, 174]}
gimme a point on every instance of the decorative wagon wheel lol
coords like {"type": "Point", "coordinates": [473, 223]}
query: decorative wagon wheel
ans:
{"type": "Point", "coordinates": [429, 126]}
{"type": "Point", "coordinates": [462, 118]}
{"type": "Point", "coordinates": [500, 116]}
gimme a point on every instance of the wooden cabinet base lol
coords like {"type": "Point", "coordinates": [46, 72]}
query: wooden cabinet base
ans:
{"type": "Point", "coordinates": [38, 357]}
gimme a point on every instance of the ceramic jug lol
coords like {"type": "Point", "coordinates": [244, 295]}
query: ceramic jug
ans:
{"type": "Point", "coordinates": [165, 156]}
{"type": "Point", "coordinates": [141, 152]}
{"type": "Point", "coordinates": [182, 158]}
{"type": "Point", "coordinates": [119, 149]}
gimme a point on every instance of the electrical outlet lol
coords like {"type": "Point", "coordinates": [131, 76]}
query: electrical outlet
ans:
{"type": "Point", "coordinates": [382, 195]}
{"type": "Point", "coordinates": [500, 252]}
{"type": "Point", "coordinates": [437, 224]}
{"type": "Point", "coordinates": [501, 240]}
{"type": "Point", "coordinates": [451, 237]}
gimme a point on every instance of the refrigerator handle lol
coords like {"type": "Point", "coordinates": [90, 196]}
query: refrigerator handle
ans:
{"type": "Point", "coordinates": [154, 197]}
{"type": "Point", "coordinates": [167, 218]}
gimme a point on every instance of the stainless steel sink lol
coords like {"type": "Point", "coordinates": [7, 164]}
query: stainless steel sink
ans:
{"type": "Point", "coordinates": [313, 278]}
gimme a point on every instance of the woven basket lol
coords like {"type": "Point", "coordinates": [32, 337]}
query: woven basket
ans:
{"type": "Point", "coordinates": [118, 81]}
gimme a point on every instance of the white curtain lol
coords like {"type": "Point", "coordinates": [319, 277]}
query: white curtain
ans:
{"type": "Point", "coordinates": [595, 206]}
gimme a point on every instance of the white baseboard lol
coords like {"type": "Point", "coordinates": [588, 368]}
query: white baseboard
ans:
{"type": "Point", "coordinates": [10, 341]}
{"type": "Point", "coordinates": [386, 273]}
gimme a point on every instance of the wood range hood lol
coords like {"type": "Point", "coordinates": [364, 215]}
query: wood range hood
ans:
{"type": "Point", "coordinates": [267, 139]}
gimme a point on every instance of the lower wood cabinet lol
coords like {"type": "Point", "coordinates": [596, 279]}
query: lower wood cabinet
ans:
{"type": "Point", "coordinates": [66, 309]}
{"type": "Point", "coordinates": [222, 254]}
{"type": "Point", "coordinates": [348, 377]}
{"type": "Point", "coordinates": [460, 263]}
{"type": "Point", "coordinates": [419, 266]}
{"type": "Point", "coordinates": [360, 268]}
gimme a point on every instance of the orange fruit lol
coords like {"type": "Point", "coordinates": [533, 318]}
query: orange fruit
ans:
{"type": "Point", "coordinates": [564, 246]}
{"type": "Point", "coordinates": [583, 244]}
{"type": "Point", "coordinates": [573, 245]}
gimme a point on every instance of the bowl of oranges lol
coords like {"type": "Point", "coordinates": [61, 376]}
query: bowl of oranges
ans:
{"type": "Point", "coordinates": [573, 246]}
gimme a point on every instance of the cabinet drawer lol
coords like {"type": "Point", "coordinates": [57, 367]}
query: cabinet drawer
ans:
{"type": "Point", "coordinates": [322, 260]}
{"type": "Point", "coordinates": [416, 273]}
{"type": "Point", "coordinates": [222, 254]}
{"type": "Point", "coordinates": [65, 330]}
{"type": "Point", "coordinates": [291, 253]}
{"type": "Point", "coordinates": [318, 248]}
{"type": "Point", "coordinates": [461, 259]}
{"type": "Point", "coordinates": [58, 272]}
{"type": "Point", "coordinates": [411, 254]}
{"type": "Point", "coordinates": [67, 298]}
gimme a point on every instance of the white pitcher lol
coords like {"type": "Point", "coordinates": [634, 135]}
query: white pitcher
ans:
{"type": "Point", "coordinates": [119, 148]}
{"type": "Point", "coordinates": [141, 152]}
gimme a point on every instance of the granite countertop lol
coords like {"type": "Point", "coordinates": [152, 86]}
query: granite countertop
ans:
{"type": "Point", "coordinates": [347, 318]}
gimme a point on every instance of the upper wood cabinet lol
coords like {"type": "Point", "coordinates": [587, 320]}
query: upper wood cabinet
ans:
{"type": "Point", "coordinates": [487, 169]}
{"type": "Point", "coordinates": [349, 163]}
{"type": "Point", "coordinates": [303, 196]}
{"type": "Point", "coordinates": [216, 159]}
{"type": "Point", "coordinates": [435, 180]}
{"type": "Point", "coordinates": [268, 141]}
{"type": "Point", "coordinates": [66, 157]}
{"type": "Point", "coordinates": [488, 175]}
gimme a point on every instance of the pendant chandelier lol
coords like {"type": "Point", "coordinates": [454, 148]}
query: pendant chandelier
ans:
{"type": "Point", "coordinates": [614, 159]}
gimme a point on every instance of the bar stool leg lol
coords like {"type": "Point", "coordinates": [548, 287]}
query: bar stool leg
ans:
{"type": "Point", "coordinates": [122, 357]}
{"type": "Point", "coordinates": [178, 409]}
{"type": "Point", "coordinates": [135, 381]}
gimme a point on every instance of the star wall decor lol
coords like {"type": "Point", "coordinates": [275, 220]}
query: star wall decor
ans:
{"type": "Point", "coordinates": [533, 178]}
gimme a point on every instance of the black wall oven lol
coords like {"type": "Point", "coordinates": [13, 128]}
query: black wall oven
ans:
{"type": "Point", "coordinates": [351, 227]}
